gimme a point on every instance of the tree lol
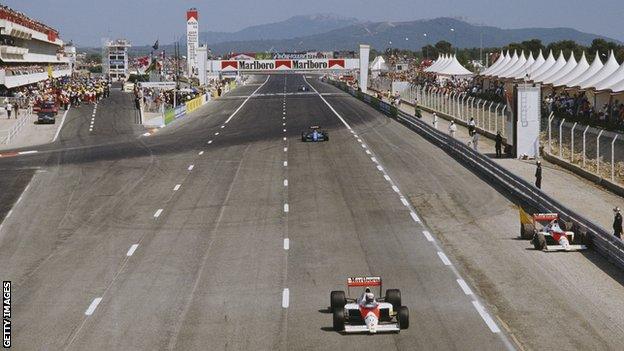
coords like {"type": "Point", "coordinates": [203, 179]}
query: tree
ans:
{"type": "Point", "coordinates": [533, 46]}
{"type": "Point", "coordinates": [567, 46]}
{"type": "Point", "coordinates": [603, 47]}
{"type": "Point", "coordinates": [444, 47]}
{"type": "Point", "coordinates": [430, 52]}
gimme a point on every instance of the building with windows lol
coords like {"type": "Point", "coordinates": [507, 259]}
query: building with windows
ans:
{"type": "Point", "coordinates": [115, 59]}
{"type": "Point", "coordinates": [30, 51]}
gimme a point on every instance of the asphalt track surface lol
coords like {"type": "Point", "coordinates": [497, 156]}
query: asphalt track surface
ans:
{"type": "Point", "coordinates": [178, 240]}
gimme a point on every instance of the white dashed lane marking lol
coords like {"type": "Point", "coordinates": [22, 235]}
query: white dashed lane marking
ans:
{"type": "Point", "coordinates": [285, 298]}
{"type": "Point", "coordinates": [190, 168]}
{"type": "Point", "coordinates": [379, 168]}
{"type": "Point", "coordinates": [428, 236]}
{"type": "Point", "coordinates": [414, 216]}
{"type": "Point", "coordinates": [486, 317]}
{"type": "Point", "coordinates": [94, 304]}
{"type": "Point", "coordinates": [285, 163]}
{"type": "Point", "coordinates": [286, 208]}
{"type": "Point", "coordinates": [464, 287]}
{"type": "Point", "coordinates": [158, 213]}
{"type": "Point", "coordinates": [286, 244]}
{"type": "Point", "coordinates": [387, 178]}
{"type": "Point", "coordinates": [177, 187]}
{"type": "Point", "coordinates": [209, 141]}
{"type": "Point", "coordinates": [285, 182]}
{"type": "Point", "coordinates": [200, 153]}
{"type": "Point", "coordinates": [132, 250]}
{"type": "Point", "coordinates": [444, 259]}
{"type": "Point", "coordinates": [394, 187]}
{"type": "Point", "coordinates": [404, 202]}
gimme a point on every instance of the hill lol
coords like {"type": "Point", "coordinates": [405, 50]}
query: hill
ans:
{"type": "Point", "coordinates": [409, 35]}
{"type": "Point", "coordinates": [331, 32]}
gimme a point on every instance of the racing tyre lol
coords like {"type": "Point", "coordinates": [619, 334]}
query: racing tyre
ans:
{"type": "Point", "coordinates": [567, 226]}
{"type": "Point", "coordinates": [580, 236]}
{"type": "Point", "coordinates": [337, 300]}
{"type": "Point", "coordinates": [539, 241]}
{"type": "Point", "coordinates": [393, 297]}
{"type": "Point", "coordinates": [339, 320]}
{"type": "Point", "coordinates": [403, 317]}
{"type": "Point", "coordinates": [527, 231]}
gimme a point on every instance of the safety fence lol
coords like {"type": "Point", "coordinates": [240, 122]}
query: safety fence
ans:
{"type": "Point", "coordinates": [488, 116]}
{"type": "Point", "coordinates": [509, 184]}
{"type": "Point", "coordinates": [595, 150]}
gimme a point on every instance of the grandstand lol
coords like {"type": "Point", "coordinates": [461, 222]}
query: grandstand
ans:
{"type": "Point", "coordinates": [30, 51]}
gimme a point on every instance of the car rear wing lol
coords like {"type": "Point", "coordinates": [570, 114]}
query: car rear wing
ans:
{"type": "Point", "coordinates": [545, 217]}
{"type": "Point", "coordinates": [362, 282]}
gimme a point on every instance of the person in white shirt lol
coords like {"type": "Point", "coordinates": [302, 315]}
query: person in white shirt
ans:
{"type": "Point", "coordinates": [435, 120]}
{"type": "Point", "coordinates": [452, 129]}
{"type": "Point", "coordinates": [8, 107]}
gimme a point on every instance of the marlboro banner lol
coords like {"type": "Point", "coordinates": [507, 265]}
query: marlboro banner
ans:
{"type": "Point", "coordinates": [284, 65]}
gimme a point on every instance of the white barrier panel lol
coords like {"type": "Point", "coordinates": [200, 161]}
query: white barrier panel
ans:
{"type": "Point", "coordinates": [527, 125]}
{"type": "Point", "coordinates": [283, 65]}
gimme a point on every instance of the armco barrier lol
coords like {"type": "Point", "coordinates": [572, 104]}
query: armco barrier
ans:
{"type": "Point", "coordinates": [188, 107]}
{"type": "Point", "coordinates": [526, 194]}
{"type": "Point", "coordinates": [196, 103]}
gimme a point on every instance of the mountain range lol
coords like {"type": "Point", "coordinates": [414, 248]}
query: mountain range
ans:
{"type": "Point", "coordinates": [331, 32]}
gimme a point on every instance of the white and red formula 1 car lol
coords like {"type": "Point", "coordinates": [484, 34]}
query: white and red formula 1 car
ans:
{"type": "Point", "coordinates": [550, 236]}
{"type": "Point", "coordinates": [367, 314]}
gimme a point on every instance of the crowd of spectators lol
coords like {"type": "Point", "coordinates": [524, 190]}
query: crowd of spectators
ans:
{"type": "Point", "coordinates": [30, 69]}
{"type": "Point", "coordinates": [578, 107]}
{"type": "Point", "coordinates": [64, 91]}
{"type": "Point", "coordinates": [20, 18]}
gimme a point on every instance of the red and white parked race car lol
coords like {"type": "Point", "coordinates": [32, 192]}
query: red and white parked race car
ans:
{"type": "Point", "coordinates": [367, 314]}
{"type": "Point", "coordinates": [551, 234]}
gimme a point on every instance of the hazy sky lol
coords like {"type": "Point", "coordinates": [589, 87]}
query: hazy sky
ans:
{"type": "Point", "coordinates": [142, 21]}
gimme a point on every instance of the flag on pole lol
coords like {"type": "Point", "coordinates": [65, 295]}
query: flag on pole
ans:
{"type": "Point", "coordinates": [155, 47]}
{"type": "Point", "coordinates": [50, 72]}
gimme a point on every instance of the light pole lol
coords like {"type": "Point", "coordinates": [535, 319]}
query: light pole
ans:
{"type": "Point", "coordinates": [454, 39]}
{"type": "Point", "coordinates": [426, 46]}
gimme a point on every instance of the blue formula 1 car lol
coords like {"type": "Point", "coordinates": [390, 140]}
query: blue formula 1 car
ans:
{"type": "Point", "coordinates": [315, 134]}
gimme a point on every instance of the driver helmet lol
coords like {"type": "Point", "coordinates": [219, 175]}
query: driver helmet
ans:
{"type": "Point", "coordinates": [367, 290]}
{"type": "Point", "coordinates": [369, 298]}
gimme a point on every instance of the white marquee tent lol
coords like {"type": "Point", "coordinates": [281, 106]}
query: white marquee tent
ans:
{"type": "Point", "coordinates": [449, 66]}
{"type": "Point", "coordinates": [564, 73]}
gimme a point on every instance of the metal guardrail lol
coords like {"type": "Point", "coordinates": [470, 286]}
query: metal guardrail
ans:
{"type": "Point", "coordinates": [13, 131]}
{"type": "Point", "coordinates": [528, 195]}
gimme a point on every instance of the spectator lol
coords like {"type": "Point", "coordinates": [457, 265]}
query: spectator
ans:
{"type": "Point", "coordinates": [8, 107]}
{"type": "Point", "coordinates": [617, 223]}
{"type": "Point", "coordinates": [435, 120]}
{"type": "Point", "coordinates": [538, 175]}
{"type": "Point", "coordinates": [471, 126]}
{"type": "Point", "coordinates": [475, 141]}
{"type": "Point", "coordinates": [452, 129]}
{"type": "Point", "coordinates": [498, 145]}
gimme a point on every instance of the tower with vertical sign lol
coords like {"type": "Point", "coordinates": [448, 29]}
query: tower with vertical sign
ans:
{"type": "Point", "coordinates": [192, 40]}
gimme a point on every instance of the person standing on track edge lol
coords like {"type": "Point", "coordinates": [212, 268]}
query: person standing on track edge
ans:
{"type": "Point", "coordinates": [498, 145]}
{"type": "Point", "coordinates": [538, 175]}
{"type": "Point", "coordinates": [452, 129]}
{"type": "Point", "coordinates": [617, 223]}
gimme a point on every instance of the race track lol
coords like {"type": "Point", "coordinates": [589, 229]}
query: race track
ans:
{"type": "Point", "coordinates": [224, 231]}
